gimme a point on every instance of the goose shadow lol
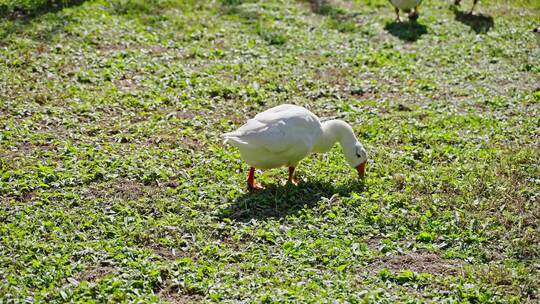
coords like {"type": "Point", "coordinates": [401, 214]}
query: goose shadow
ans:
{"type": "Point", "coordinates": [408, 30]}
{"type": "Point", "coordinates": [325, 8]}
{"type": "Point", "coordinates": [278, 201]}
{"type": "Point", "coordinates": [34, 9]}
{"type": "Point", "coordinates": [20, 18]}
{"type": "Point", "coordinates": [480, 23]}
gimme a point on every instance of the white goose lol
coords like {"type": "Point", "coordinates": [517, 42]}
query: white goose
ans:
{"type": "Point", "coordinates": [458, 2]}
{"type": "Point", "coordinates": [408, 6]}
{"type": "Point", "coordinates": [284, 135]}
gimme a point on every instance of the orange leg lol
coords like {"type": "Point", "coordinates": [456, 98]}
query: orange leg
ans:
{"type": "Point", "coordinates": [252, 185]}
{"type": "Point", "coordinates": [413, 14]}
{"type": "Point", "coordinates": [291, 176]}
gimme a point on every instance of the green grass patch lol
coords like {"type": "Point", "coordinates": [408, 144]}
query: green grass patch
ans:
{"type": "Point", "coordinates": [115, 185]}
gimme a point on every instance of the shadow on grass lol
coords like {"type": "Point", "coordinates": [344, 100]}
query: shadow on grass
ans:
{"type": "Point", "coordinates": [338, 18]}
{"type": "Point", "coordinates": [408, 31]}
{"type": "Point", "coordinates": [254, 16]}
{"type": "Point", "coordinates": [480, 23]}
{"type": "Point", "coordinates": [20, 17]}
{"type": "Point", "coordinates": [276, 201]}
{"type": "Point", "coordinates": [323, 7]}
{"type": "Point", "coordinates": [28, 10]}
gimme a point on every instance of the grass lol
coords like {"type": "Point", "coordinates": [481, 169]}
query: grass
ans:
{"type": "Point", "coordinates": [115, 185]}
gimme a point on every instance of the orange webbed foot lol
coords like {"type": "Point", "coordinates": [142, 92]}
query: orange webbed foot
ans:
{"type": "Point", "coordinates": [255, 186]}
{"type": "Point", "coordinates": [293, 182]}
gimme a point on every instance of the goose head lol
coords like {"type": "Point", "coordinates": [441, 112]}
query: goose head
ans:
{"type": "Point", "coordinates": [340, 131]}
{"type": "Point", "coordinates": [356, 156]}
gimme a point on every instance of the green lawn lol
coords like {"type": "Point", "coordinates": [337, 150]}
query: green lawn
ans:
{"type": "Point", "coordinates": [115, 184]}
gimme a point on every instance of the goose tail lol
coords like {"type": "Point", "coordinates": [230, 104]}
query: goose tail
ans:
{"type": "Point", "coordinates": [233, 138]}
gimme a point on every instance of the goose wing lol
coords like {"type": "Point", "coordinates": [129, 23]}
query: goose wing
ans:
{"type": "Point", "coordinates": [278, 129]}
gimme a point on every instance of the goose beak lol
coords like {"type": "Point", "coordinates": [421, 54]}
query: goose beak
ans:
{"type": "Point", "coordinates": [361, 169]}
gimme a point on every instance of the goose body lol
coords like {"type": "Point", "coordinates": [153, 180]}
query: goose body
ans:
{"type": "Point", "coordinates": [408, 6]}
{"type": "Point", "coordinates": [458, 2]}
{"type": "Point", "coordinates": [284, 135]}
{"type": "Point", "coordinates": [405, 5]}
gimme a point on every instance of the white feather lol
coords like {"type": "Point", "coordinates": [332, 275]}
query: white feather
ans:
{"type": "Point", "coordinates": [284, 135]}
{"type": "Point", "coordinates": [405, 5]}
